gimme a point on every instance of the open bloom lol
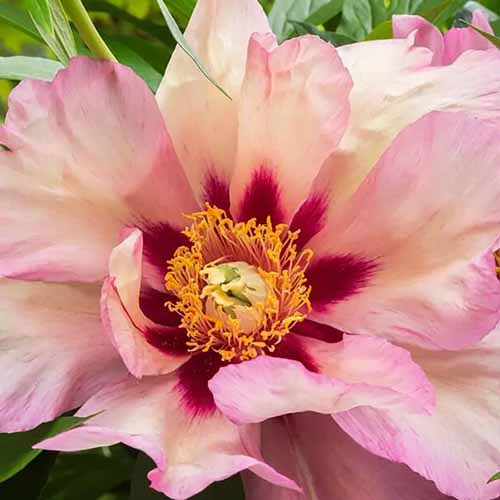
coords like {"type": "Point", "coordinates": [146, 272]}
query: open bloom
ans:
{"type": "Point", "coordinates": [213, 280]}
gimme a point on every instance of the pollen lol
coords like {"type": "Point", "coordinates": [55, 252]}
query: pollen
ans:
{"type": "Point", "coordinates": [239, 287]}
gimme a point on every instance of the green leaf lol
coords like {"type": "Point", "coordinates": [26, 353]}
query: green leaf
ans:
{"type": "Point", "coordinates": [19, 20]}
{"type": "Point", "coordinates": [88, 475]}
{"type": "Point", "coordinates": [495, 25]}
{"type": "Point", "coordinates": [17, 448]}
{"type": "Point", "coordinates": [41, 16]}
{"type": "Point", "coordinates": [182, 10]}
{"type": "Point", "coordinates": [63, 30]}
{"type": "Point", "coordinates": [493, 5]}
{"type": "Point", "coordinates": [155, 54]}
{"type": "Point", "coordinates": [335, 39]}
{"type": "Point", "coordinates": [184, 45]}
{"type": "Point", "coordinates": [382, 32]}
{"type": "Point", "coordinates": [312, 11]}
{"type": "Point", "coordinates": [495, 477]}
{"type": "Point", "coordinates": [357, 19]}
{"type": "Point", "coordinates": [21, 67]}
{"type": "Point", "coordinates": [326, 12]}
{"type": "Point", "coordinates": [130, 58]}
{"type": "Point", "coordinates": [492, 38]}
{"type": "Point", "coordinates": [40, 13]}
{"type": "Point", "coordinates": [443, 12]}
{"type": "Point", "coordinates": [28, 484]}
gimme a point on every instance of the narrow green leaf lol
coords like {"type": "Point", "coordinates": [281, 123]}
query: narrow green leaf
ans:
{"type": "Point", "coordinates": [495, 477]}
{"type": "Point", "coordinates": [53, 43]}
{"type": "Point", "coordinates": [40, 13]}
{"type": "Point", "coordinates": [381, 32]}
{"type": "Point", "coordinates": [335, 39]}
{"type": "Point", "coordinates": [128, 57]}
{"type": "Point", "coordinates": [492, 38]}
{"type": "Point", "coordinates": [63, 30]}
{"type": "Point", "coordinates": [19, 20]}
{"type": "Point", "coordinates": [41, 16]}
{"type": "Point", "coordinates": [184, 45]}
{"type": "Point", "coordinates": [21, 67]}
{"type": "Point", "coordinates": [17, 448]}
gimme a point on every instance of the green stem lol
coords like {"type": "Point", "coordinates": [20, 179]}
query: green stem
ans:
{"type": "Point", "coordinates": [81, 19]}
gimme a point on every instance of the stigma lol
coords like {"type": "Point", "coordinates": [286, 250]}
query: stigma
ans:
{"type": "Point", "coordinates": [239, 288]}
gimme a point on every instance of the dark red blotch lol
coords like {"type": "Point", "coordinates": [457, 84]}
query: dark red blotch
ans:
{"type": "Point", "coordinates": [262, 198]}
{"type": "Point", "coordinates": [338, 277]}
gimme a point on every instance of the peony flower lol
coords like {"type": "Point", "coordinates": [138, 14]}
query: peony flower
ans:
{"type": "Point", "coordinates": [448, 47]}
{"type": "Point", "coordinates": [297, 283]}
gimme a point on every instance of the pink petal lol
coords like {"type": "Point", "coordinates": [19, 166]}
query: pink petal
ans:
{"type": "Point", "coordinates": [53, 353]}
{"type": "Point", "coordinates": [190, 453]}
{"type": "Point", "coordinates": [356, 371]}
{"type": "Point", "coordinates": [293, 112]}
{"type": "Point", "coordinates": [74, 173]}
{"type": "Point", "coordinates": [124, 321]}
{"type": "Point", "coordinates": [458, 40]}
{"type": "Point", "coordinates": [430, 222]}
{"type": "Point", "coordinates": [425, 34]}
{"type": "Point", "coordinates": [458, 447]}
{"type": "Point", "coordinates": [203, 122]}
{"type": "Point", "coordinates": [330, 465]}
{"type": "Point", "coordinates": [447, 48]}
{"type": "Point", "coordinates": [394, 85]}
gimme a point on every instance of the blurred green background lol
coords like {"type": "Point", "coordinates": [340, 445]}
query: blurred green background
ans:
{"type": "Point", "coordinates": [136, 32]}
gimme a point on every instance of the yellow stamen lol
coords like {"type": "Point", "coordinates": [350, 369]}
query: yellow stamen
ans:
{"type": "Point", "coordinates": [216, 239]}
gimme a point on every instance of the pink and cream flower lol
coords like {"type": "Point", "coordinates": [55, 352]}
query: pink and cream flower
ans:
{"type": "Point", "coordinates": [297, 283]}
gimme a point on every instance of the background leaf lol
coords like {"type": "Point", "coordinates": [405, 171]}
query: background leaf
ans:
{"type": "Point", "coordinates": [160, 33]}
{"type": "Point", "coordinates": [20, 20]}
{"type": "Point", "coordinates": [28, 484]}
{"type": "Point", "coordinates": [88, 475]}
{"type": "Point", "coordinates": [17, 448]}
{"type": "Point", "coordinates": [40, 13]}
{"type": "Point", "coordinates": [382, 32]}
{"type": "Point", "coordinates": [336, 39]}
{"type": "Point", "coordinates": [358, 19]}
{"type": "Point", "coordinates": [21, 67]}
{"type": "Point", "coordinates": [62, 28]}
{"type": "Point", "coordinates": [311, 11]}
{"type": "Point", "coordinates": [230, 489]}
{"type": "Point", "coordinates": [130, 58]}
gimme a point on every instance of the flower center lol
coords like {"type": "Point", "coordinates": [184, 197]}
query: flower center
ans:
{"type": "Point", "coordinates": [240, 287]}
